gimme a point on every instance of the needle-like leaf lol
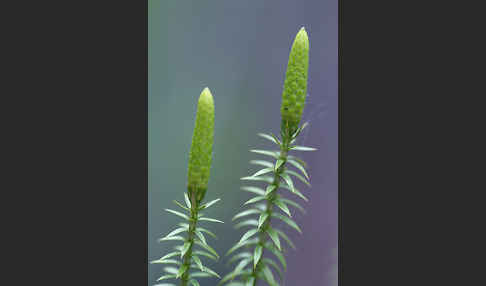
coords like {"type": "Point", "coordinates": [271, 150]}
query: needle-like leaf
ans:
{"type": "Point", "coordinates": [257, 255]}
{"type": "Point", "coordinates": [207, 205]}
{"type": "Point", "coordinates": [273, 154]}
{"type": "Point", "coordinates": [274, 236]}
{"type": "Point", "coordinates": [210, 219]}
{"type": "Point", "coordinates": [248, 234]}
{"type": "Point", "coordinates": [178, 214]}
{"type": "Point", "coordinates": [262, 163]}
{"type": "Point", "coordinates": [188, 202]}
{"type": "Point", "coordinates": [302, 148]}
{"type": "Point", "coordinates": [282, 206]}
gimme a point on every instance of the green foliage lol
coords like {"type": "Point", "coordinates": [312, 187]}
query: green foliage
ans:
{"type": "Point", "coordinates": [262, 237]}
{"type": "Point", "coordinates": [187, 256]}
{"type": "Point", "coordinates": [254, 262]}
{"type": "Point", "coordinates": [260, 250]}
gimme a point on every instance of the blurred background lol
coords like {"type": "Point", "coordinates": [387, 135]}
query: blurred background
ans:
{"type": "Point", "coordinates": [239, 49]}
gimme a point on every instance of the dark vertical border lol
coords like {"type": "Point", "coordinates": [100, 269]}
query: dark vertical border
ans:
{"type": "Point", "coordinates": [78, 130]}
{"type": "Point", "coordinates": [398, 105]}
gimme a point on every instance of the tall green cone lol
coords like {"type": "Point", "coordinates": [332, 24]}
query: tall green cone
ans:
{"type": "Point", "coordinates": [202, 145]}
{"type": "Point", "coordinates": [295, 85]}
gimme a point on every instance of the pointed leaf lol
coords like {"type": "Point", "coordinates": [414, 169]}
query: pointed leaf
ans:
{"type": "Point", "coordinates": [188, 202]}
{"type": "Point", "coordinates": [203, 253]}
{"type": "Point", "coordinates": [169, 255]}
{"type": "Point", "coordinates": [169, 276]}
{"type": "Point", "coordinates": [206, 231]}
{"type": "Point", "coordinates": [254, 200]}
{"type": "Point", "coordinates": [262, 219]}
{"type": "Point", "coordinates": [201, 236]}
{"type": "Point", "coordinates": [274, 236]}
{"type": "Point", "coordinates": [291, 157]}
{"type": "Point", "coordinates": [299, 166]}
{"type": "Point", "coordinates": [273, 154]}
{"type": "Point", "coordinates": [194, 282]}
{"type": "Point", "coordinates": [298, 176]}
{"type": "Point", "coordinates": [185, 248]}
{"type": "Point", "coordinates": [295, 192]}
{"type": "Point", "coordinates": [175, 237]}
{"type": "Point", "coordinates": [250, 281]}
{"type": "Point", "coordinates": [257, 255]}
{"type": "Point", "coordinates": [262, 163]}
{"type": "Point", "coordinates": [294, 204]}
{"type": "Point", "coordinates": [176, 231]}
{"type": "Point", "coordinates": [263, 172]}
{"type": "Point", "coordinates": [276, 139]}
{"type": "Point", "coordinates": [254, 190]}
{"type": "Point", "coordinates": [207, 205]}
{"type": "Point", "coordinates": [178, 214]}
{"type": "Point", "coordinates": [245, 213]}
{"type": "Point", "coordinates": [268, 137]}
{"type": "Point", "coordinates": [297, 132]}
{"type": "Point", "coordinates": [282, 206]}
{"type": "Point", "coordinates": [288, 180]}
{"type": "Point", "coordinates": [288, 221]}
{"type": "Point", "coordinates": [179, 204]}
{"type": "Point", "coordinates": [165, 261]}
{"type": "Point", "coordinates": [210, 271]}
{"type": "Point", "coordinates": [207, 247]}
{"type": "Point", "coordinates": [210, 219]}
{"type": "Point", "coordinates": [249, 222]}
{"type": "Point", "coordinates": [198, 262]}
{"type": "Point", "coordinates": [302, 148]}
{"type": "Point", "coordinates": [248, 234]}
{"type": "Point", "coordinates": [267, 179]}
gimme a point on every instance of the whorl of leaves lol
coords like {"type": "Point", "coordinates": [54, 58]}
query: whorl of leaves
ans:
{"type": "Point", "coordinates": [185, 262]}
{"type": "Point", "coordinates": [250, 253]}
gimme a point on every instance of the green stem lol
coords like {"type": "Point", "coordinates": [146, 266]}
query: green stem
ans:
{"type": "Point", "coordinates": [190, 237]}
{"type": "Point", "coordinates": [262, 238]}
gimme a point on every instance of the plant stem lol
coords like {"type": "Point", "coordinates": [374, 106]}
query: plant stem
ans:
{"type": "Point", "coordinates": [190, 238]}
{"type": "Point", "coordinates": [284, 149]}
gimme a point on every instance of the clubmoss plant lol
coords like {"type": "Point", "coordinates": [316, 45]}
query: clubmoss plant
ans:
{"type": "Point", "coordinates": [253, 262]}
{"type": "Point", "coordinates": [198, 176]}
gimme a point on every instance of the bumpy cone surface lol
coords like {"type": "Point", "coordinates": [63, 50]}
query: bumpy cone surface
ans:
{"type": "Point", "coordinates": [295, 85]}
{"type": "Point", "coordinates": [202, 143]}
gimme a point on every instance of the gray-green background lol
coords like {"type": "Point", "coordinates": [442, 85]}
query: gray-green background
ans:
{"type": "Point", "coordinates": [239, 49]}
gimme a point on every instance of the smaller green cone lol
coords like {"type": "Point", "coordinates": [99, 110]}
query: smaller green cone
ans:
{"type": "Point", "coordinates": [295, 85]}
{"type": "Point", "coordinates": [202, 146]}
